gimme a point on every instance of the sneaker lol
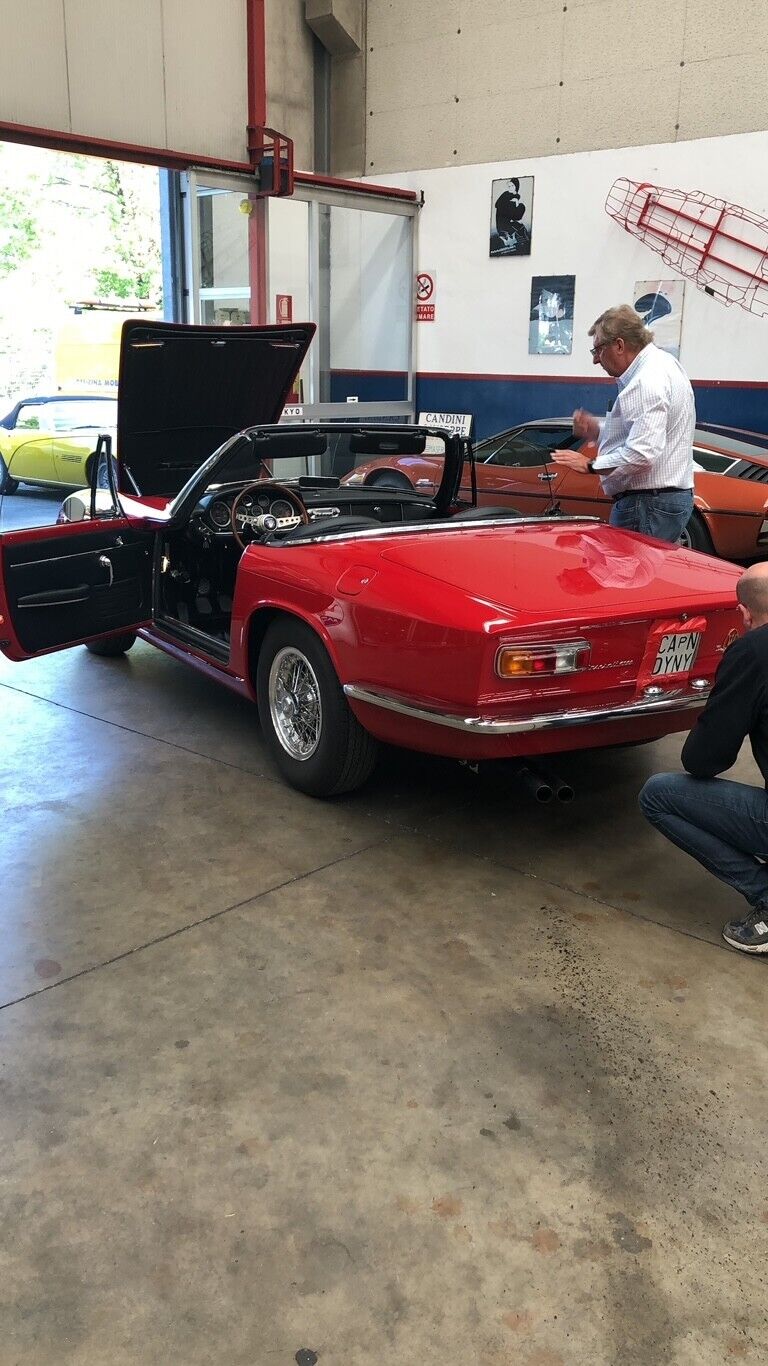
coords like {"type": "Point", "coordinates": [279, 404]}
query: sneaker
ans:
{"type": "Point", "coordinates": [750, 935]}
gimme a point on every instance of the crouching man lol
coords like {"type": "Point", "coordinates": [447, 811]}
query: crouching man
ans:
{"type": "Point", "coordinates": [722, 824]}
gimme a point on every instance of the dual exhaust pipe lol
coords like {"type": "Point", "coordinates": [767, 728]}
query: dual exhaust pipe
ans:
{"type": "Point", "coordinates": [543, 785]}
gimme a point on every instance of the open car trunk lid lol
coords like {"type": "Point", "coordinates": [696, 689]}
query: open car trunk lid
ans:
{"type": "Point", "coordinates": [184, 390]}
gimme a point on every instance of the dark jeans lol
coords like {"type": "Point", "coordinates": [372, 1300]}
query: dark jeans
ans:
{"type": "Point", "coordinates": [664, 515]}
{"type": "Point", "coordinates": [721, 824]}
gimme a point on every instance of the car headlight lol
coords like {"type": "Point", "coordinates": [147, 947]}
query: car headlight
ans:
{"type": "Point", "coordinates": [542, 660]}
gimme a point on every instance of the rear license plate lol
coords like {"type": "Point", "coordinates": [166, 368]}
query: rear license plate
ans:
{"type": "Point", "coordinates": [676, 653]}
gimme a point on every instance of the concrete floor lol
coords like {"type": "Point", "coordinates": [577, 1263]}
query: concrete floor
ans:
{"type": "Point", "coordinates": [426, 1075]}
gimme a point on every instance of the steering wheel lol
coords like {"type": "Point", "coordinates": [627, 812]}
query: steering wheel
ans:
{"type": "Point", "coordinates": [262, 523]}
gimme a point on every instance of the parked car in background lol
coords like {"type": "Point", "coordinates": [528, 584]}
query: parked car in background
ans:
{"type": "Point", "coordinates": [51, 441]}
{"type": "Point", "coordinates": [514, 468]}
{"type": "Point", "coordinates": [354, 615]}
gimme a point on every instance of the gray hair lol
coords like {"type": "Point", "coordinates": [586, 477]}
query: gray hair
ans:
{"type": "Point", "coordinates": [622, 322]}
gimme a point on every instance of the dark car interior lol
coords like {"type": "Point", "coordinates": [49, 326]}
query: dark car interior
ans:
{"type": "Point", "coordinates": [284, 487]}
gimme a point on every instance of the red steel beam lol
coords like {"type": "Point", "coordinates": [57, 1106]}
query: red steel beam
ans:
{"type": "Point", "coordinates": [119, 151]}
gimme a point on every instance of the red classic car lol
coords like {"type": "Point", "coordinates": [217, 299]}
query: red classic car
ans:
{"type": "Point", "coordinates": [353, 615]}
{"type": "Point", "coordinates": [730, 516]}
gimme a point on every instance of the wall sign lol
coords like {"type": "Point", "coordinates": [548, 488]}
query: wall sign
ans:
{"type": "Point", "coordinates": [550, 330]}
{"type": "Point", "coordinates": [425, 296]}
{"type": "Point", "coordinates": [511, 216]}
{"type": "Point", "coordinates": [660, 305]}
{"type": "Point", "coordinates": [284, 308]}
{"type": "Point", "coordinates": [458, 424]}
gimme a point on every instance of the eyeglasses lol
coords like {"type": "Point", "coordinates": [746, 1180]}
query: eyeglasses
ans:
{"type": "Point", "coordinates": [598, 347]}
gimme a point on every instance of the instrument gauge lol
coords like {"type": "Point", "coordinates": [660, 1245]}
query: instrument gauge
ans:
{"type": "Point", "coordinates": [219, 513]}
{"type": "Point", "coordinates": [282, 508]}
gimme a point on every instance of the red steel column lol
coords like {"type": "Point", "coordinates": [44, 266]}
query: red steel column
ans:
{"type": "Point", "coordinates": [257, 118]}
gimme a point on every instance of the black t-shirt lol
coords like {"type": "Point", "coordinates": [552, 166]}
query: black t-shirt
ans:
{"type": "Point", "coordinates": [737, 708]}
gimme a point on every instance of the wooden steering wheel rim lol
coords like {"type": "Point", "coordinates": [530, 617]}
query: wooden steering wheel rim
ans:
{"type": "Point", "coordinates": [280, 491]}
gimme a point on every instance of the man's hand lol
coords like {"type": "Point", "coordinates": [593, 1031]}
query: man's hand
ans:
{"type": "Point", "coordinates": [585, 425]}
{"type": "Point", "coordinates": [575, 460]}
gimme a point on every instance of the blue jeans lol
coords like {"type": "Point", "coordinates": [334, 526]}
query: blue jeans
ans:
{"type": "Point", "coordinates": [663, 515]}
{"type": "Point", "coordinates": [723, 825]}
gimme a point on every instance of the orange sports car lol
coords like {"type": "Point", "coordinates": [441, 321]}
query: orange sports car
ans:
{"type": "Point", "coordinates": [514, 468]}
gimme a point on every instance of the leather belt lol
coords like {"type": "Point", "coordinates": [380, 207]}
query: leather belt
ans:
{"type": "Point", "coordinates": [649, 493]}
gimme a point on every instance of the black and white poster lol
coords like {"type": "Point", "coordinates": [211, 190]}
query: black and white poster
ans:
{"type": "Point", "coordinates": [550, 331]}
{"type": "Point", "coordinates": [512, 216]}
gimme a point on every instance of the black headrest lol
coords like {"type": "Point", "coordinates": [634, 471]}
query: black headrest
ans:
{"type": "Point", "coordinates": [329, 526]}
{"type": "Point", "coordinates": [381, 443]}
{"type": "Point", "coordinates": [483, 514]}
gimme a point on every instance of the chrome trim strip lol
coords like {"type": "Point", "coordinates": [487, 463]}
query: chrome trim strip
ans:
{"type": "Point", "coordinates": [408, 528]}
{"type": "Point", "coordinates": [492, 725]}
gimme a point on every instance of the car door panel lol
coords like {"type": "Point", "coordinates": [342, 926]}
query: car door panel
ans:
{"type": "Point", "coordinates": [60, 588]}
{"type": "Point", "coordinates": [31, 456]}
{"type": "Point", "coordinates": [581, 495]}
{"type": "Point", "coordinates": [519, 470]}
{"type": "Point", "coordinates": [70, 454]}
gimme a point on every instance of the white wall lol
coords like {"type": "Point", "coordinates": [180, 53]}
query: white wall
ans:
{"type": "Point", "coordinates": [454, 82]}
{"type": "Point", "coordinates": [483, 305]}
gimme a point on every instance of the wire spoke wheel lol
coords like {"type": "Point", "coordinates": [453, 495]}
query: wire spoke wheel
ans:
{"type": "Point", "coordinates": [295, 703]}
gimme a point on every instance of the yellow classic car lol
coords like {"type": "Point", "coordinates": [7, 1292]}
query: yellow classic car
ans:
{"type": "Point", "coordinates": [51, 441]}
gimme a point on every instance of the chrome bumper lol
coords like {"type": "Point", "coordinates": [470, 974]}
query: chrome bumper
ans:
{"type": "Point", "coordinates": [557, 720]}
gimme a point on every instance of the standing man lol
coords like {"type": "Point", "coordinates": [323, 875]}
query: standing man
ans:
{"type": "Point", "coordinates": [722, 824]}
{"type": "Point", "coordinates": [645, 451]}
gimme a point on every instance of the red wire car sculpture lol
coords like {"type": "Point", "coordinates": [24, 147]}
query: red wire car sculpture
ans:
{"type": "Point", "coordinates": [721, 247]}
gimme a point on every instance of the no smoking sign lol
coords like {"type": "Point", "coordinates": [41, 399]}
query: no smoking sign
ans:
{"type": "Point", "coordinates": [425, 296]}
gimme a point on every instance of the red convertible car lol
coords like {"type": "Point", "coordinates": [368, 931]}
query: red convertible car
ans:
{"type": "Point", "coordinates": [353, 615]}
{"type": "Point", "coordinates": [730, 516]}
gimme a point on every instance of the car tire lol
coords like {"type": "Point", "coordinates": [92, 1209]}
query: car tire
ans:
{"type": "Point", "coordinates": [389, 479]}
{"type": "Point", "coordinates": [113, 645]}
{"type": "Point", "coordinates": [7, 485]}
{"type": "Point", "coordinates": [311, 734]}
{"type": "Point", "coordinates": [696, 535]}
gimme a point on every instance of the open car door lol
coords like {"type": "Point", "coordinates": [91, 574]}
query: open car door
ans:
{"type": "Point", "coordinates": [62, 585]}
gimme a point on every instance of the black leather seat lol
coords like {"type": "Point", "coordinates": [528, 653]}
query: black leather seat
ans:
{"type": "Point", "coordinates": [329, 526]}
{"type": "Point", "coordinates": [484, 513]}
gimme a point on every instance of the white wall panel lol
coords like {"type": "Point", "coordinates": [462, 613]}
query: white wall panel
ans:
{"type": "Point", "coordinates": [524, 55]}
{"type": "Point", "coordinates": [393, 21]}
{"type": "Point", "coordinates": [116, 71]}
{"type": "Point", "coordinates": [712, 96]}
{"type": "Point", "coordinates": [34, 75]}
{"type": "Point", "coordinates": [595, 113]}
{"type": "Point", "coordinates": [483, 304]}
{"type": "Point", "coordinates": [602, 73]}
{"type": "Point", "coordinates": [622, 37]}
{"type": "Point", "coordinates": [156, 73]}
{"type": "Point", "coordinates": [205, 76]}
{"type": "Point", "coordinates": [714, 30]}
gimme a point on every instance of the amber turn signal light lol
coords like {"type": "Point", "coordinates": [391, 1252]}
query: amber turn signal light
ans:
{"type": "Point", "coordinates": [542, 660]}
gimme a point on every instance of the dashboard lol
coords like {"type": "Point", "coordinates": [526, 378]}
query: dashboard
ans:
{"type": "Point", "coordinates": [213, 515]}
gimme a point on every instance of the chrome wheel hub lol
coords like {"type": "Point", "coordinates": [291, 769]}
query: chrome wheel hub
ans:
{"type": "Point", "coordinates": [294, 703]}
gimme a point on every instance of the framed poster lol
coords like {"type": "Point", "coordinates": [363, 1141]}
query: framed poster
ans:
{"type": "Point", "coordinates": [511, 216]}
{"type": "Point", "coordinates": [550, 331]}
{"type": "Point", "coordinates": [660, 305]}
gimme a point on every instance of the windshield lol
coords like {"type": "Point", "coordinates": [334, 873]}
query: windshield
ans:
{"type": "Point", "coordinates": [407, 460]}
{"type": "Point", "coordinates": [65, 415]}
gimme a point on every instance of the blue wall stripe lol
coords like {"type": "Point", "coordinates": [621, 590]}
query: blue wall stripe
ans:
{"type": "Point", "coordinates": [503, 402]}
